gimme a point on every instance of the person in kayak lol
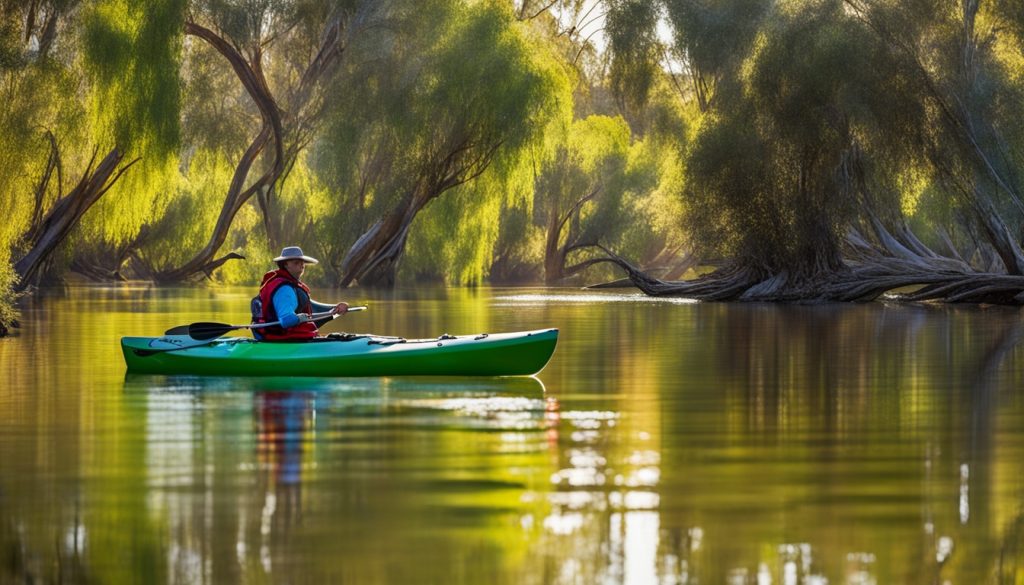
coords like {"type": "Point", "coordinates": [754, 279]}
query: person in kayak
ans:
{"type": "Point", "coordinates": [284, 297]}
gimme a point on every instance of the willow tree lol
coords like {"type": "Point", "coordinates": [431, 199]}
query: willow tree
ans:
{"type": "Point", "coordinates": [461, 92]}
{"type": "Point", "coordinates": [967, 64]}
{"type": "Point", "coordinates": [86, 73]}
{"type": "Point", "coordinates": [305, 41]}
{"type": "Point", "coordinates": [800, 172]}
{"type": "Point", "coordinates": [132, 55]}
{"type": "Point", "coordinates": [581, 192]}
{"type": "Point", "coordinates": [26, 63]}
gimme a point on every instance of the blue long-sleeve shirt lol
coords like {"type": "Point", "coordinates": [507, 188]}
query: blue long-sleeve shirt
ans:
{"type": "Point", "coordinates": [286, 302]}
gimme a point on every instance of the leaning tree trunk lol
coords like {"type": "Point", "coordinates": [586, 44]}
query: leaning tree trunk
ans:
{"type": "Point", "coordinates": [66, 213]}
{"type": "Point", "coordinates": [255, 84]}
{"type": "Point", "coordinates": [373, 259]}
{"type": "Point", "coordinates": [303, 110]}
{"type": "Point", "coordinates": [554, 258]}
{"type": "Point", "coordinates": [961, 116]}
{"type": "Point", "coordinates": [554, 254]}
{"type": "Point", "coordinates": [204, 262]}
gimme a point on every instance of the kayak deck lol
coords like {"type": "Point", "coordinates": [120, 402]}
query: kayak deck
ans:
{"type": "Point", "coordinates": [502, 354]}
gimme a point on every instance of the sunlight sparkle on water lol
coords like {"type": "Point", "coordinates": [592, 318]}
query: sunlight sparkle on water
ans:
{"type": "Point", "coordinates": [539, 299]}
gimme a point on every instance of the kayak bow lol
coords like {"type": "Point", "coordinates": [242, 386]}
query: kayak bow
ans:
{"type": "Point", "coordinates": [501, 354]}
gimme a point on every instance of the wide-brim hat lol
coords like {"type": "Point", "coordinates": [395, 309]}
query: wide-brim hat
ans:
{"type": "Point", "coordinates": [295, 253]}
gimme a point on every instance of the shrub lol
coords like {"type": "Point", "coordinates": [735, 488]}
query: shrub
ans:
{"type": "Point", "coordinates": [8, 296]}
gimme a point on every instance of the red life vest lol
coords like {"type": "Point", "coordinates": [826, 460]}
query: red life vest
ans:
{"type": "Point", "coordinates": [272, 281]}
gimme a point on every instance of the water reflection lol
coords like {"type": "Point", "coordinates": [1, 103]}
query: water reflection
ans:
{"type": "Point", "coordinates": [283, 427]}
{"type": "Point", "coordinates": [674, 443]}
{"type": "Point", "coordinates": [336, 433]}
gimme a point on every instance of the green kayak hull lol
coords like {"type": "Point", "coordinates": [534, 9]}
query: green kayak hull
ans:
{"type": "Point", "coordinates": [502, 354]}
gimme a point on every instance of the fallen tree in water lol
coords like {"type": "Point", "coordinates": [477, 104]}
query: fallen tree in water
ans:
{"type": "Point", "coordinates": [867, 273]}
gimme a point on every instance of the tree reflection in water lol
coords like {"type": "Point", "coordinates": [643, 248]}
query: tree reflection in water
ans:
{"type": "Point", "coordinates": [674, 444]}
{"type": "Point", "coordinates": [836, 425]}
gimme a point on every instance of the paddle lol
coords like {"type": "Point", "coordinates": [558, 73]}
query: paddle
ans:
{"type": "Point", "coordinates": [180, 344]}
{"type": "Point", "coordinates": [202, 331]}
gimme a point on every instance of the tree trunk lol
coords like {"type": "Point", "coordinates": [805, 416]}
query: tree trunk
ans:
{"type": "Point", "coordinates": [251, 76]}
{"type": "Point", "coordinates": [865, 279]}
{"type": "Point", "coordinates": [66, 213]}
{"type": "Point", "coordinates": [204, 261]}
{"type": "Point", "coordinates": [373, 259]}
{"type": "Point", "coordinates": [554, 260]}
{"type": "Point", "coordinates": [555, 255]}
{"type": "Point", "coordinates": [250, 73]}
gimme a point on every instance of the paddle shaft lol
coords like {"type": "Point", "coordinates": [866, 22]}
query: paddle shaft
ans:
{"type": "Point", "coordinates": [218, 329]}
{"type": "Point", "coordinates": [208, 330]}
{"type": "Point", "coordinates": [312, 317]}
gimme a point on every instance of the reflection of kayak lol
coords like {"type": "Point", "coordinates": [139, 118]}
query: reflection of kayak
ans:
{"type": "Point", "coordinates": [400, 388]}
{"type": "Point", "coordinates": [502, 354]}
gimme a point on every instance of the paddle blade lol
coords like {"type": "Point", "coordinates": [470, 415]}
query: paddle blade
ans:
{"type": "Point", "coordinates": [179, 330]}
{"type": "Point", "coordinates": [204, 331]}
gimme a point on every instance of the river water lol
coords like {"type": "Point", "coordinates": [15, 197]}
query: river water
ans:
{"type": "Point", "coordinates": [666, 442]}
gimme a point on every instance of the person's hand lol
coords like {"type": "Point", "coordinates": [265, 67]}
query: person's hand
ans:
{"type": "Point", "coordinates": [340, 309]}
{"type": "Point", "coordinates": [303, 317]}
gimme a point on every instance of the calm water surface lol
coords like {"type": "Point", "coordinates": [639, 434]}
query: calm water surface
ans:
{"type": "Point", "coordinates": [666, 442]}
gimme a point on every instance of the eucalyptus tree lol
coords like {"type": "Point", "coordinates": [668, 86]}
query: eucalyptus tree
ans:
{"type": "Point", "coordinates": [966, 61]}
{"type": "Point", "coordinates": [458, 91]}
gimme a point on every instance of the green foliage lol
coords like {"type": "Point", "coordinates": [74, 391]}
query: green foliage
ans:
{"type": "Point", "coordinates": [768, 177]}
{"type": "Point", "coordinates": [635, 50]}
{"type": "Point", "coordinates": [779, 127]}
{"type": "Point", "coordinates": [37, 96]}
{"type": "Point", "coordinates": [8, 282]}
{"type": "Point", "coordinates": [967, 72]}
{"type": "Point", "coordinates": [519, 251]}
{"type": "Point", "coordinates": [652, 206]}
{"type": "Point", "coordinates": [11, 36]}
{"type": "Point", "coordinates": [715, 35]}
{"type": "Point", "coordinates": [131, 53]}
{"type": "Point", "coordinates": [467, 88]}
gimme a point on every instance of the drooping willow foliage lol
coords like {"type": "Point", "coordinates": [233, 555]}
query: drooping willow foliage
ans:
{"type": "Point", "coordinates": [434, 120]}
{"type": "Point", "coordinates": [809, 149]}
{"type": "Point", "coordinates": [848, 147]}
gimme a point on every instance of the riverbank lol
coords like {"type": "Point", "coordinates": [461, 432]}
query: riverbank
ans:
{"type": "Point", "coordinates": [8, 309]}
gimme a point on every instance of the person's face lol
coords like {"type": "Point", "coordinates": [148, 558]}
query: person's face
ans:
{"type": "Point", "coordinates": [295, 267]}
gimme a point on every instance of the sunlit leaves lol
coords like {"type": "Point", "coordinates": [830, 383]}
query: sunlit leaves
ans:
{"type": "Point", "coordinates": [464, 92]}
{"type": "Point", "coordinates": [635, 49]}
{"type": "Point", "coordinates": [132, 53]}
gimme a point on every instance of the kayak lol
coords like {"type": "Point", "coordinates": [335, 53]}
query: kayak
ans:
{"type": "Point", "coordinates": [522, 353]}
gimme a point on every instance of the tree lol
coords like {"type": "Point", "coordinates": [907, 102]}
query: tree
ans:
{"type": "Point", "coordinates": [582, 192]}
{"type": "Point", "coordinates": [457, 95]}
{"type": "Point", "coordinates": [243, 33]}
{"type": "Point", "coordinates": [831, 111]}
{"type": "Point", "coordinates": [82, 77]}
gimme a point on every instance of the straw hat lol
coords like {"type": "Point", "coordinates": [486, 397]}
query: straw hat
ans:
{"type": "Point", "coordinates": [295, 253]}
